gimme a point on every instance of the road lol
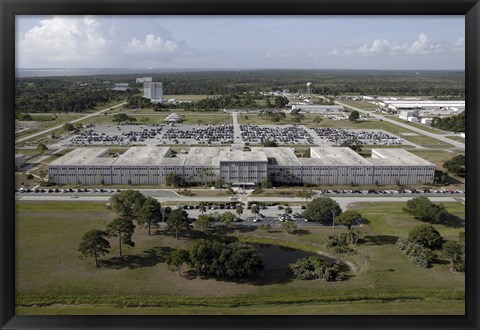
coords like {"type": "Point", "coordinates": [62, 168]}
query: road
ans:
{"type": "Point", "coordinates": [180, 200]}
{"type": "Point", "coordinates": [440, 137]}
{"type": "Point", "coordinates": [72, 122]}
{"type": "Point", "coordinates": [237, 133]}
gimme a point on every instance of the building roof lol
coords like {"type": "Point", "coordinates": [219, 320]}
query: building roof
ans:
{"type": "Point", "coordinates": [243, 156]}
{"type": "Point", "coordinates": [396, 157]}
{"type": "Point", "coordinates": [204, 156]}
{"type": "Point", "coordinates": [148, 155]}
{"type": "Point", "coordinates": [336, 156]}
{"type": "Point", "coordinates": [85, 156]}
{"type": "Point", "coordinates": [280, 156]}
{"type": "Point", "coordinates": [212, 156]}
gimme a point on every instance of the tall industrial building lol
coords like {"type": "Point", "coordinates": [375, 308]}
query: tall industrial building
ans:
{"type": "Point", "coordinates": [153, 91]}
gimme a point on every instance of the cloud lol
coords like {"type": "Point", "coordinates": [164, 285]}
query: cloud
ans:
{"type": "Point", "coordinates": [91, 41]}
{"type": "Point", "coordinates": [63, 40]}
{"type": "Point", "coordinates": [151, 45]}
{"type": "Point", "coordinates": [421, 46]}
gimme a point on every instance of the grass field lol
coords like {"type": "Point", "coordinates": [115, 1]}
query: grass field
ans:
{"type": "Point", "coordinates": [51, 279]}
{"type": "Point", "coordinates": [420, 126]}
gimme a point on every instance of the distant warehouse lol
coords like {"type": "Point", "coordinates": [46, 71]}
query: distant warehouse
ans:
{"type": "Point", "coordinates": [327, 165]}
{"type": "Point", "coordinates": [318, 108]}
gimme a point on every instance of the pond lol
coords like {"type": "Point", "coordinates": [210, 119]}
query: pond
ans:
{"type": "Point", "coordinates": [279, 257]}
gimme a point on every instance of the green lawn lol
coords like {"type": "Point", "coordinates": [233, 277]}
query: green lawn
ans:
{"type": "Point", "coordinates": [420, 126]}
{"type": "Point", "coordinates": [50, 274]}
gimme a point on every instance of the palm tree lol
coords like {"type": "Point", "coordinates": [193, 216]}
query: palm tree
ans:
{"type": "Point", "coordinates": [255, 209]}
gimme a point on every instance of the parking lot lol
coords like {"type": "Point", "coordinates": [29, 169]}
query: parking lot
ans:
{"type": "Point", "coordinates": [289, 134]}
{"type": "Point", "coordinates": [187, 135]}
{"type": "Point", "coordinates": [371, 137]}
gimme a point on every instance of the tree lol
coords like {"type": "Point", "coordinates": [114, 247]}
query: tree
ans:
{"type": "Point", "coordinates": [94, 244]}
{"type": "Point", "coordinates": [354, 116]}
{"type": "Point", "coordinates": [150, 212]}
{"type": "Point", "coordinates": [255, 209]}
{"type": "Point", "coordinates": [204, 222]}
{"type": "Point", "coordinates": [456, 252]}
{"type": "Point", "coordinates": [288, 210]}
{"type": "Point", "coordinates": [270, 144]}
{"type": "Point", "coordinates": [219, 182]}
{"type": "Point", "coordinates": [68, 127]}
{"type": "Point", "coordinates": [41, 147]}
{"type": "Point", "coordinates": [296, 115]}
{"type": "Point", "coordinates": [353, 144]}
{"type": "Point", "coordinates": [127, 202]}
{"type": "Point", "coordinates": [174, 179]}
{"type": "Point", "coordinates": [289, 226]}
{"type": "Point", "coordinates": [177, 220]}
{"type": "Point", "coordinates": [423, 209]}
{"type": "Point", "coordinates": [348, 218]}
{"type": "Point", "coordinates": [307, 194]}
{"type": "Point", "coordinates": [30, 176]}
{"type": "Point", "coordinates": [456, 165]}
{"type": "Point", "coordinates": [227, 218]}
{"type": "Point", "coordinates": [239, 210]}
{"type": "Point", "coordinates": [317, 119]}
{"type": "Point", "coordinates": [202, 207]}
{"type": "Point", "coordinates": [266, 183]}
{"type": "Point", "coordinates": [120, 117]}
{"type": "Point", "coordinates": [426, 236]}
{"type": "Point", "coordinates": [281, 101]}
{"type": "Point", "coordinates": [176, 259]}
{"type": "Point", "coordinates": [322, 209]}
{"type": "Point", "coordinates": [122, 228]}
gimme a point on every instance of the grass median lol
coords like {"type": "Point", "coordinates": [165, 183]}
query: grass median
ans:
{"type": "Point", "coordinates": [51, 279]}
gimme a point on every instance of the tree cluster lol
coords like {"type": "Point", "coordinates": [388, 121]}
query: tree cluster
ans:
{"type": "Point", "coordinates": [420, 243]}
{"type": "Point", "coordinates": [137, 102]}
{"type": "Point", "coordinates": [456, 165]}
{"type": "Point", "coordinates": [122, 117]}
{"type": "Point", "coordinates": [131, 205]}
{"type": "Point", "coordinates": [217, 259]}
{"type": "Point", "coordinates": [450, 124]}
{"type": "Point", "coordinates": [423, 209]}
{"type": "Point", "coordinates": [313, 268]}
{"type": "Point", "coordinates": [60, 95]}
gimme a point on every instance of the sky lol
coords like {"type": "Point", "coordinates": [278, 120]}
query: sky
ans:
{"type": "Point", "coordinates": [242, 42]}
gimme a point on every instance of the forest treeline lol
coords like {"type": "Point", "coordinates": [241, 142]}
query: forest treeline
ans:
{"type": "Point", "coordinates": [451, 124]}
{"type": "Point", "coordinates": [80, 93]}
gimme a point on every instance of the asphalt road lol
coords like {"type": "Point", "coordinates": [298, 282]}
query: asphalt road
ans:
{"type": "Point", "coordinates": [174, 198]}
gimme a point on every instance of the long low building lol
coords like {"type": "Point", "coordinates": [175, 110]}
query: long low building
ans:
{"type": "Point", "coordinates": [327, 165]}
{"type": "Point", "coordinates": [313, 108]}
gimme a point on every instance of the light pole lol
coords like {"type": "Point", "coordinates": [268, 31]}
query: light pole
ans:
{"type": "Point", "coordinates": [333, 218]}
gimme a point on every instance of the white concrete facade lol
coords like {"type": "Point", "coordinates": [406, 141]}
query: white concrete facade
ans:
{"type": "Point", "coordinates": [327, 165]}
{"type": "Point", "coordinates": [153, 91]}
{"type": "Point", "coordinates": [19, 160]}
{"type": "Point", "coordinates": [318, 108]}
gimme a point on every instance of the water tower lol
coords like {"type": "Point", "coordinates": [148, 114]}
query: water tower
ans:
{"type": "Point", "coordinates": [309, 88]}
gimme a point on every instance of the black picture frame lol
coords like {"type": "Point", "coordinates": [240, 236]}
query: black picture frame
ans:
{"type": "Point", "coordinates": [11, 8]}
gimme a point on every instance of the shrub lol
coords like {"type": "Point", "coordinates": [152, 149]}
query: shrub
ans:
{"type": "Point", "coordinates": [416, 253]}
{"type": "Point", "coordinates": [342, 243]}
{"type": "Point", "coordinates": [313, 268]}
